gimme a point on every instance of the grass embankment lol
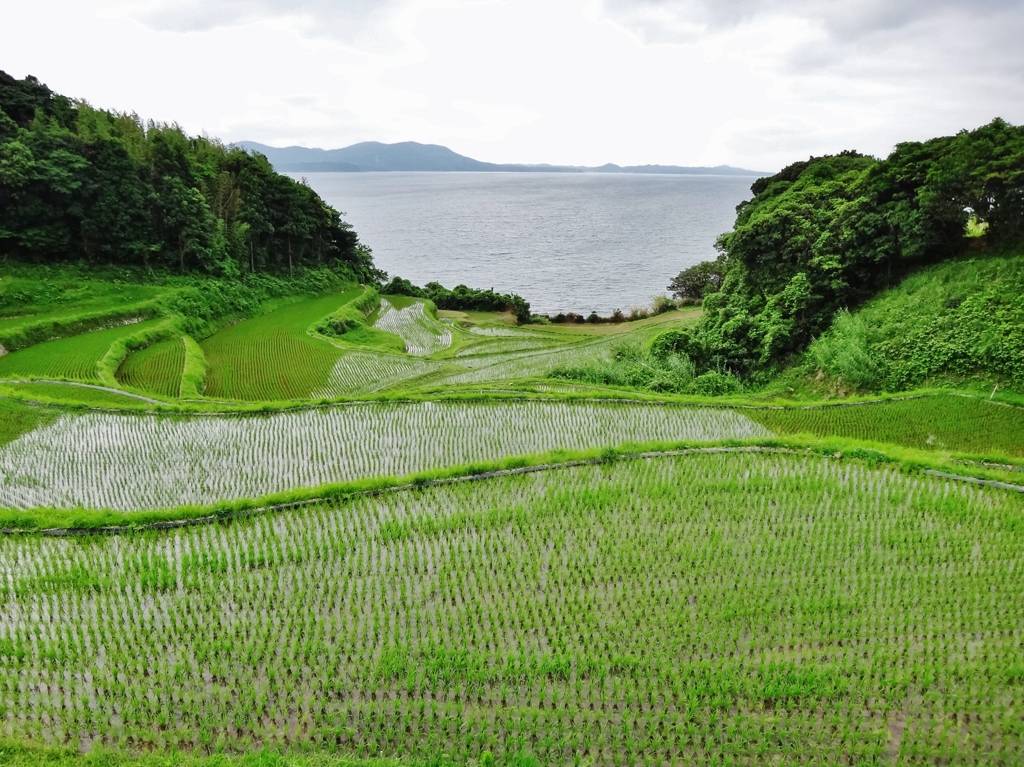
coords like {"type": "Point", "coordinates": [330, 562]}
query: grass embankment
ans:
{"type": "Point", "coordinates": [687, 315]}
{"type": "Point", "coordinates": [43, 303]}
{"type": "Point", "coordinates": [695, 609]}
{"type": "Point", "coordinates": [353, 325]}
{"type": "Point", "coordinates": [273, 356]}
{"type": "Point", "coordinates": [17, 419]}
{"type": "Point", "coordinates": [70, 396]}
{"type": "Point", "coordinates": [957, 324]}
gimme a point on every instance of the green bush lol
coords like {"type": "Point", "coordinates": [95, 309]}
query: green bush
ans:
{"type": "Point", "coordinates": [462, 298]}
{"type": "Point", "coordinates": [350, 316]}
{"type": "Point", "coordinates": [636, 368]}
{"type": "Point", "coordinates": [715, 384]}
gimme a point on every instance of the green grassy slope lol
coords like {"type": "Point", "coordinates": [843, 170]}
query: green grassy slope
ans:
{"type": "Point", "coordinates": [272, 357]}
{"type": "Point", "coordinates": [43, 304]}
{"type": "Point", "coordinates": [673, 610]}
{"type": "Point", "coordinates": [155, 368]}
{"type": "Point", "coordinates": [46, 293]}
{"type": "Point", "coordinates": [74, 358]}
{"type": "Point", "coordinates": [959, 323]}
{"type": "Point", "coordinates": [944, 422]}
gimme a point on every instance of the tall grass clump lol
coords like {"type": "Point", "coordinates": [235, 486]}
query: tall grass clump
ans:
{"type": "Point", "coordinates": [844, 353]}
{"type": "Point", "coordinates": [639, 367]}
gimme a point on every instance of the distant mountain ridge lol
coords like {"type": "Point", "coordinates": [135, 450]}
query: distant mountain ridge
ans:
{"type": "Point", "coordinates": [413, 156]}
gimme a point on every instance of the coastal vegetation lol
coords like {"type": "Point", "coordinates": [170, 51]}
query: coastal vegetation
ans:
{"type": "Point", "coordinates": [829, 233]}
{"type": "Point", "coordinates": [967, 320]}
{"type": "Point", "coordinates": [79, 183]}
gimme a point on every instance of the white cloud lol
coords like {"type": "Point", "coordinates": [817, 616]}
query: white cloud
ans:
{"type": "Point", "coordinates": [758, 84]}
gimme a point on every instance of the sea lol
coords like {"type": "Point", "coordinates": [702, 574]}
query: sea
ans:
{"type": "Point", "coordinates": [578, 242]}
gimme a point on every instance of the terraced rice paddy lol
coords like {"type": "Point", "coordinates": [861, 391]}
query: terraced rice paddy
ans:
{"type": "Point", "coordinates": [422, 334]}
{"type": "Point", "coordinates": [530, 363]}
{"type": "Point", "coordinates": [944, 422]}
{"type": "Point", "coordinates": [74, 358]}
{"type": "Point", "coordinates": [704, 609]}
{"type": "Point", "coordinates": [737, 607]}
{"type": "Point", "coordinates": [504, 345]}
{"type": "Point", "coordinates": [157, 368]}
{"type": "Point", "coordinates": [364, 373]}
{"type": "Point", "coordinates": [272, 357]}
{"type": "Point", "coordinates": [132, 462]}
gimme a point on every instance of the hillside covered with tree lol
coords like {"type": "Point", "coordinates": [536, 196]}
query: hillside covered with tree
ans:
{"type": "Point", "coordinates": [100, 187]}
{"type": "Point", "coordinates": [831, 232]}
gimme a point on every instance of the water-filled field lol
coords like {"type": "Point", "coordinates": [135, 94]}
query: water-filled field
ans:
{"type": "Point", "coordinates": [128, 462]}
{"type": "Point", "coordinates": [744, 608]}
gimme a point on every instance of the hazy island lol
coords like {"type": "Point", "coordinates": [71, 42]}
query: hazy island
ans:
{"type": "Point", "coordinates": [412, 156]}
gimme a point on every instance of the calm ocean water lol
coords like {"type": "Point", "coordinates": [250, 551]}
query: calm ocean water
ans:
{"type": "Point", "coordinates": [565, 242]}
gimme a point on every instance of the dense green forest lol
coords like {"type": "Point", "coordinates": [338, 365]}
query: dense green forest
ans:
{"type": "Point", "coordinates": [84, 184]}
{"type": "Point", "coordinates": [829, 233]}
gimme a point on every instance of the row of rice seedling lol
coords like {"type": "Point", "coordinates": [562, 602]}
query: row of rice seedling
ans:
{"type": "Point", "coordinates": [272, 357]}
{"type": "Point", "coordinates": [155, 368]}
{"type": "Point", "coordinates": [422, 334]}
{"type": "Point", "coordinates": [506, 344]}
{"type": "Point", "coordinates": [74, 357]}
{"type": "Point", "coordinates": [531, 363]}
{"type": "Point", "coordinates": [496, 330]}
{"type": "Point", "coordinates": [943, 422]}
{"type": "Point", "coordinates": [132, 462]}
{"type": "Point", "coordinates": [703, 609]}
{"type": "Point", "coordinates": [367, 372]}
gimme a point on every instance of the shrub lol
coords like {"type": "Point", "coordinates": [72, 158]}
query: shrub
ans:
{"type": "Point", "coordinates": [699, 280]}
{"type": "Point", "coordinates": [662, 304]}
{"type": "Point", "coordinates": [350, 316]}
{"type": "Point", "coordinates": [715, 384]}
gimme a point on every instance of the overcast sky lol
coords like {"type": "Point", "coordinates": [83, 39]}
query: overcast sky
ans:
{"type": "Point", "coordinates": [687, 82]}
